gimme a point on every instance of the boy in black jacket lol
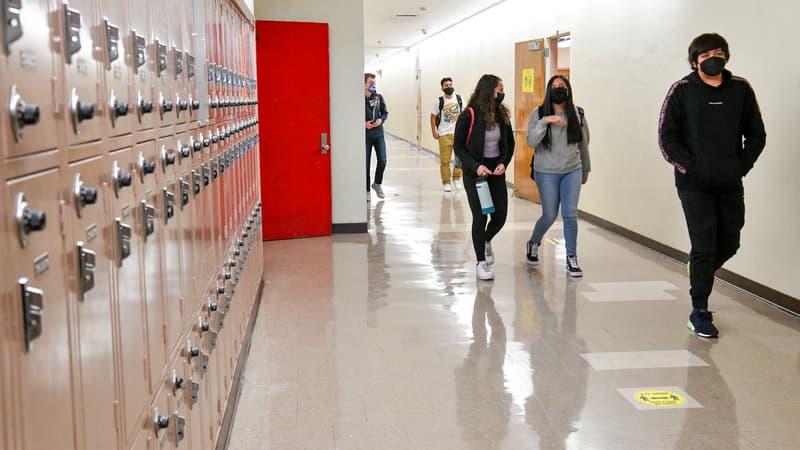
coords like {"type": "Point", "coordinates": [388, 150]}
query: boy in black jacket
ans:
{"type": "Point", "coordinates": [711, 131]}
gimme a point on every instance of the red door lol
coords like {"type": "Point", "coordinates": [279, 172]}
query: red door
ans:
{"type": "Point", "coordinates": [294, 124]}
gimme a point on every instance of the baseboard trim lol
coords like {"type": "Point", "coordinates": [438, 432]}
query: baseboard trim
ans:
{"type": "Point", "coordinates": [224, 437]}
{"type": "Point", "coordinates": [765, 293]}
{"type": "Point", "coordinates": [349, 228]}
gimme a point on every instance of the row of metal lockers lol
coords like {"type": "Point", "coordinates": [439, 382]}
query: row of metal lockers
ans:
{"type": "Point", "coordinates": [131, 220]}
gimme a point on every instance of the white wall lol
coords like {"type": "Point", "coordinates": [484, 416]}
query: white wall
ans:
{"type": "Point", "coordinates": [625, 55]}
{"type": "Point", "coordinates": [345, 19]}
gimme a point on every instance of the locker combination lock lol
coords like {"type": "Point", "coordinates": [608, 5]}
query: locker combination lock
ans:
{"type": "Point", "coordinates": [80, 111]}
{"type": "Point", "coordinates": [165, 105]}
{"type": "Point", "coordinates": [177, 382]}
{"type": "Point", "coordinates": [159, 422]}
{"type": "Point", "coordinates": [196, 145]}
{"type": "Point", "coordinates": [145, 166]}
{"type": "Point", "coordinates": [167, 158]}
{"type": "Point", "coordinates": [124, 234]}
{"type": "Point", "coordinates": [184, 151]}
{"type": "Point", "coordinates": [83, 195]}
{"type": "Point", "coordinates": [143, 106]}
{"type": "Point", "coordinates": [86, 268]}
{"type": "Point", "coordinates": [32, 315]}
{"type": "Point", "coordinates": [28, 219]}
{"type": "Point", "coordinates": [116, 108]}
{"type": "Point", "coordinates": [22, 114]}
{"type": "Point", "coordinates": [120, 178]}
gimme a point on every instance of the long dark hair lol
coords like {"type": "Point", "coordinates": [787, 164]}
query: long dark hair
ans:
{"type": "Point", "coordinates": [483, 100]}
{"type": "Point", "coordinates": [574, 133]}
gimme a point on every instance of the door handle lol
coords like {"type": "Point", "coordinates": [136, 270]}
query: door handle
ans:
{"type": "Point", "coordinates": [325, 146]}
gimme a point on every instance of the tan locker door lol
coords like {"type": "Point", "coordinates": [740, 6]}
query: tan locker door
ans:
{"type": "Point", "coordinates": [529, 86]}
{"type": "Point", "coordinates": [117, 42]}
{"type": "Point", "coordinates": [186, 223]}
{"type": "Point", "coordinates": [30, 79]}
{"type": "Point", "coordinates": [151, 216]}
{"type": "Point", "coordinates": [172, 264]}
{"type": "Point", "coordinates": [43, 382]}
{"type": "Point", "coordinates": [140, 42]}
{"type": "Point", "coordinates": [164, 69]}
{"type": "Point", "coordinates": [91, 254]}
{"type": "Point", "coordinates": [80, 35]}
{"type": "Point", "coordinates": [128, 257]}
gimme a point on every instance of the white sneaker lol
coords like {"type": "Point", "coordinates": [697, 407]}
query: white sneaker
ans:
{"type": "Point", "coordinates": [483, 271]}
{"type": "Point", "coordinates": [489, 253]}
{"type": "Point", "coordinates": [378, 190]}
{"type": "Point", "coordinates": [448, 188]}
{"type": "Point", "coordinates": [458, 184]}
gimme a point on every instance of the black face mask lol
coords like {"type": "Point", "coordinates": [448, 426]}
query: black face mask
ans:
{"type": "Point", "coordinates": [559, 95]}
{"type": "Point", "coordinates": [500, 97]}
{"type": "Point", "coordinates": [449, 91]}
{"type": "Point", "coordinates": [713, 66]}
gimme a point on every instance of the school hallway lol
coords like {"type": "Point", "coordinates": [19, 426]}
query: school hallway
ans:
{"type": "Point", "coordinates": [387, 340]}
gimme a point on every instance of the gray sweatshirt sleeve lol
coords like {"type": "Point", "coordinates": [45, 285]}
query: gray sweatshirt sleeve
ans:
{"type": "Point", "coordinates": [537, 128]}
{"type": "Point", "coordinates": [586, 162]}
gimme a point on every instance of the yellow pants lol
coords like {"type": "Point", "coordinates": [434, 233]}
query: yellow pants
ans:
{"type": "Point", "coordinates": [445, 154]}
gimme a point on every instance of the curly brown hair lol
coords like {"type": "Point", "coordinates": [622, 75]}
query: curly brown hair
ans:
{"type": "Point", "coordinates": [484, 101]}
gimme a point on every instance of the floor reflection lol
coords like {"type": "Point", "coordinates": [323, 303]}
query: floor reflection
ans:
{"type": "Point", "coordinates": [559, 373]}
{"type": "Point", "coordinates": [482, 401]}
{"type": "Point", "coordinates": [378, 271]}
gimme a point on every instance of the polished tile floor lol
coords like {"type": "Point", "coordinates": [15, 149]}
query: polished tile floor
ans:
{"type": "Point", "coordinates": [386, 340]}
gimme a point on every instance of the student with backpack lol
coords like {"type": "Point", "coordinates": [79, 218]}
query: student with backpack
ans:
{"type": "Point", "coordinates": [560, 134]}
{"type": "Point", "coordinates": [443, 124]}
{"type": "Point", "coordinates": [484, 141]}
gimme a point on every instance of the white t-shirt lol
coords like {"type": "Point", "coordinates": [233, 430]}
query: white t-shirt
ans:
{"type": "Point", "coordinates": [450, 112]}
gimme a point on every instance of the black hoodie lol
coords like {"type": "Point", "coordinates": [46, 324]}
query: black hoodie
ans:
{"type": "Point", "coordinates": [712, 135]}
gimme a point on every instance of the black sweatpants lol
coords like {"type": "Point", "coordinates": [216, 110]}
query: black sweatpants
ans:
{"type": "Point", "coordinates": [481, 232]}
{"type": "Point", "coordinates": [715, 221]}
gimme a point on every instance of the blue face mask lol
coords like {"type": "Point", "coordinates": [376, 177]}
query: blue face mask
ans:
{"type": "Point", "coordinates": [372, 88]}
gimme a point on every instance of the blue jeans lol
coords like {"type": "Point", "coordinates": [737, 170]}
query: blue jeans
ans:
{"type": "Point", "coordinates": [555, 189]}
{"type": "Point", "coordinates": [380, 151]}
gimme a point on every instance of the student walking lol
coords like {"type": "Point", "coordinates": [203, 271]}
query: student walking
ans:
{"type": "Point", "coordinates": [560, 134]}
{"type": "Point", "coordinates": [711, 131]}
{"type": "Point", "coordinates": [484, 142]}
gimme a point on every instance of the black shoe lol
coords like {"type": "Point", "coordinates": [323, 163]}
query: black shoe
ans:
{"type": "Point", "coordinates": [573, 269]}
{"type": "Point", "coordinates": [701, 322]}
{"type": "Point", "coordinates": [532, 253]}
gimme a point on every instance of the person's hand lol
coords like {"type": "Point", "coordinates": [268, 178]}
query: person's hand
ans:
{"type": "Point", "coordinates": [369, 125]}
{"type": "Point", "coordinates": [499, 170]}
{"type": "Point", "coordinates": [483, 171]}
{"type": "Point", "coordinates": [377, 123]}
{"type": "Point", "coordinates": [558, 120]}
{"type": "Point", "coordinates": [436, 135]}
{"type": "Point", "coordinates": [585, 178]}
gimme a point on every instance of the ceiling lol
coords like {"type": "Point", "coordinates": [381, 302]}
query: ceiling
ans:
{"type": "Point", "coordinates": [391, 26]}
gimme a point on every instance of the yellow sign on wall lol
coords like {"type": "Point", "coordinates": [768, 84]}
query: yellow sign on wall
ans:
{"type": "Point", "coordinates": [527, 81]}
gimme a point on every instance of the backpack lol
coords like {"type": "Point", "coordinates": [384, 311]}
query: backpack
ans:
{"type": "Point", "coordinates": [441, 105]}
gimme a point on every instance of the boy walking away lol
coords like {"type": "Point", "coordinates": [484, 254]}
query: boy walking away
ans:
{"type": "Point", "coordinates": [711, 131]}
{"type": "Point", "coordinates": [443, 125]}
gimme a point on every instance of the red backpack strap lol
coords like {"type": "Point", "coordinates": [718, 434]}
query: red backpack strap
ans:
{"type": "Point", "coordinates": [471, 123]}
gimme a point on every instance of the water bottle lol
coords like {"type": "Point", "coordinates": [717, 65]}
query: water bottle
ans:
{"type": "Point", "coordinates": [485, 196]}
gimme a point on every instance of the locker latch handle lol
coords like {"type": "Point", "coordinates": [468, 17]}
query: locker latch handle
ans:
{"type": "Point", "coordinates": [86, 268]}
{"type": "Point", "coordinates": [32, 315]}
{"type": "Point", "coordinates": [12, 26]}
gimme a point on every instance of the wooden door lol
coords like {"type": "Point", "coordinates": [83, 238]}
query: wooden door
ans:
{"type": "Point", "coordinates": [529, 86]}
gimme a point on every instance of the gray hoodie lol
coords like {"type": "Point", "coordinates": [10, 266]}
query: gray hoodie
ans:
{"type": "Point", "coordinates": [560, 157]}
